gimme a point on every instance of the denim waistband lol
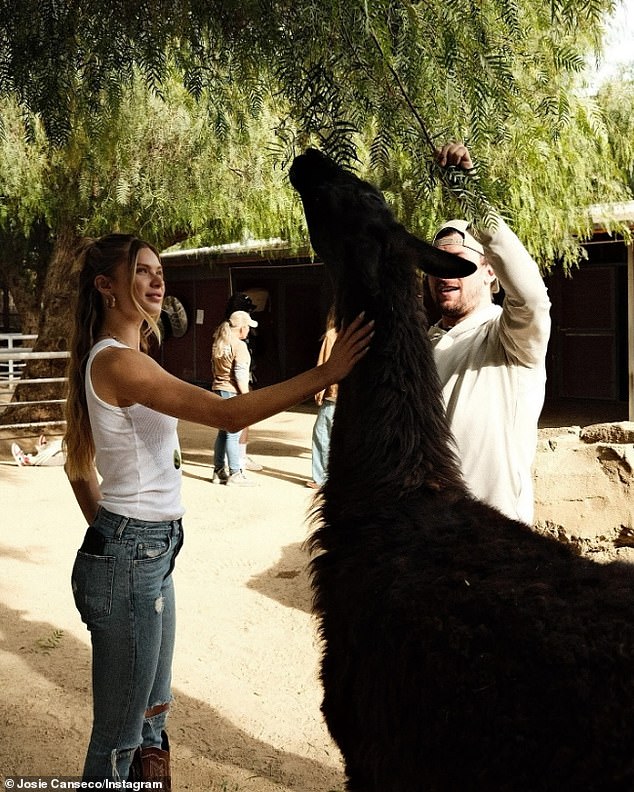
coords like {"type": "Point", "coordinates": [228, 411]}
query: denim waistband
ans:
{"type": "Point", "coordinates": [113, 525]}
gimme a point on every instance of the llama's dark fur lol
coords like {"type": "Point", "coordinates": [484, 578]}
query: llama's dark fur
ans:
{"type": "Point", "coordinates": [461, 650]}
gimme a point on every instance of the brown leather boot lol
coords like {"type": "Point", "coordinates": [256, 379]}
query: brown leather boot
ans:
{"type": "Point", "coordinates": [153, 764]}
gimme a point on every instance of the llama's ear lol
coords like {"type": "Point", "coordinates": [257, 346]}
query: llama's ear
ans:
{"type": "Point", "coordinates": [437, 262]}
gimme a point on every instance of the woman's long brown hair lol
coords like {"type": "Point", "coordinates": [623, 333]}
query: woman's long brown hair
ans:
{"type": "Point", "coordinates": [95, 257]}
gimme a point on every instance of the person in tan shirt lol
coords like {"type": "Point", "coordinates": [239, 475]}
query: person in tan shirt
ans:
{"type": "Point", "coordinates": [241, 301]}
{"type": "Point", "coordinates": [231, 361]}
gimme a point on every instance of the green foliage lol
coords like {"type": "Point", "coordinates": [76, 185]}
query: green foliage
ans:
{"type": "Point", "coordinates": [48, 644]}
{"type": "Point", "coordinates": [615, 109]}
{"type": "Point", "coordinates": [158, 165]}
{"type": "Point", "coordinates": [376, 84]}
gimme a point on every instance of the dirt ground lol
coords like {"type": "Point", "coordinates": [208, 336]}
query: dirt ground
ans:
{"type": "Point", "coordinates": [246, 713]}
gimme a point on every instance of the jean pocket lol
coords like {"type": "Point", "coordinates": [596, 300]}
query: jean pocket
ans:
{"type": "Point", "coordinates": [94, 542]}
{"type": "Point", "coordinates": [92, 580]}
{"type": "Point", "coordinates": [152, 549]}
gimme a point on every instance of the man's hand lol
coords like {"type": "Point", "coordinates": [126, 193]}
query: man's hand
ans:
{"type": "Point", "coordinates": [454, 154]}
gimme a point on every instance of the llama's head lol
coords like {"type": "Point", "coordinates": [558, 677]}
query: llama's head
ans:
{"type": "Point", "coordinates": [355, 233]}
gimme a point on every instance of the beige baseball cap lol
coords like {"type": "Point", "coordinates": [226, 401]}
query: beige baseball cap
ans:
{"type": "Point", "coordinates": [461, 226]}
{"type": "Point", "coordinates": [241, 319]}
{"type": "Point", "coordinates": [468, 241]}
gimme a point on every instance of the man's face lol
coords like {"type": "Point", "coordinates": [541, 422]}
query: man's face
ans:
{"type": "Point", "coordinates": [457, 298]}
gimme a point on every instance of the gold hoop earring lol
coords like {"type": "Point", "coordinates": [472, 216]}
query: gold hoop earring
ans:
{"type": "Point", "coordinates": [111, 301]}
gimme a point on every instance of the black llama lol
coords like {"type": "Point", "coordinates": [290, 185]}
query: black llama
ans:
{"type": "Point", "coordinates": [462, 651]}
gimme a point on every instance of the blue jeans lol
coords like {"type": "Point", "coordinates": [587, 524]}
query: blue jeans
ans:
{"type": "Point", "coordinates": [321, 440]}
{"type": "Point", "coordinates": [227, 446]}
{"type": "Point", "coordinates": [123, 589]}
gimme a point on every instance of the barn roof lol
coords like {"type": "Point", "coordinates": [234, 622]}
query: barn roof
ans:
{"type": "Point", "coordinates": [604, 216]}
{"type": "Point", "coordinates": [252, 250]}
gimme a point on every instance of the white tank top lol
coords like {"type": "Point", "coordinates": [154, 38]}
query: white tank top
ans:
{"type": "Point", "coordinates": [137, 455]}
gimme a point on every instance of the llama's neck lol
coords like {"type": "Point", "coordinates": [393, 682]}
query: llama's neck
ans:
{"type": "Point", "coordinates": [390, 427]}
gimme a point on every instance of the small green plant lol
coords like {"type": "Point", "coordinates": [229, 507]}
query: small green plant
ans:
{"type": "Point", "coordinates": [46, 645]}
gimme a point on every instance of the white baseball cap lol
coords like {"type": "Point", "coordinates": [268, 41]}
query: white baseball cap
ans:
{"type": "Point", "coordinates": [468, 241]}
{"type": "Point", "coordinates": [460, 226]}
{"type": "Point", "coordinates": [240, 319]}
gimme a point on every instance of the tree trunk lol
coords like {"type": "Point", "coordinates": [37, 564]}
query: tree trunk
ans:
{"type": "Point", "coordinates": [27, 305]}
{"type": "Point", "coordinates": [54, 332]}
{"type": "Point", "coordinates": [24, 257]}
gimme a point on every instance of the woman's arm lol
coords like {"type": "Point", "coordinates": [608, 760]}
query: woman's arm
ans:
{"type": "Point", "coordinates": [139, 379]}
{"type": "Point", "coordinates": [88, 495]}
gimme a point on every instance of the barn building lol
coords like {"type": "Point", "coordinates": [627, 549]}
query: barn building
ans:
{"type": "Point", "coordinates": [590, 357]}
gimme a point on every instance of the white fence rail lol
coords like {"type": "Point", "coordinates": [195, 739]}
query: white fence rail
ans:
{"type": "Point", "coordinates": [10, 364]}
{"type": "Point", "coordinates": [15, 352]}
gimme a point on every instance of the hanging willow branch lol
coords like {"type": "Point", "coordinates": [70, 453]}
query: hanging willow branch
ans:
{"type": "Point", "coordinates": [403, 92]}
{"type": "Point", "coordinates": [462, 185]}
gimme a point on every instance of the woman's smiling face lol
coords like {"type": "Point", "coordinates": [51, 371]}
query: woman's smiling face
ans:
{"type": "Point", "coordinates": [149, 284]}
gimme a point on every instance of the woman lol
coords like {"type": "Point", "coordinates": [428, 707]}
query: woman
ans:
{"type": "Point", "coordinates": [231, 361]}
{"type": "Point", "coordinates": [121, 416]}
{"type": "Point", "coordinates": [240, 301]}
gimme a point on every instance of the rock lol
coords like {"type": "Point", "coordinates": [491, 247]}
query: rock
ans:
{"type": "Point", "coordinates": [621, 432]}
{"type": "Point", "coordinates": [583, 490]}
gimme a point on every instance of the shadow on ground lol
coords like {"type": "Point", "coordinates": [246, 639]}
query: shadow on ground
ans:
{"type": "Point", "coordinates": [45, 728]}
{"type": "Point", "coordinates": [287, 582]}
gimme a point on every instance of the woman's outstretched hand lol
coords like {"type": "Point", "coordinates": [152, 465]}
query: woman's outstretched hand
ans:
{"type": "Point", "coordinates": [351, 345]}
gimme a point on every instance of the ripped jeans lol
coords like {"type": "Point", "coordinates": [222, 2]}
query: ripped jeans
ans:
{"type": "Point", "coordinates": [123, 589]}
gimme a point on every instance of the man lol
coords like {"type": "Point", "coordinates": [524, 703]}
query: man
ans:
{"type": "Point", "coordinates": [491, 359]}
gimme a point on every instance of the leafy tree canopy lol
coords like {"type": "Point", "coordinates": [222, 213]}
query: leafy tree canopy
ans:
{"type": "Point", "coordinates": [383, 81]}
{"type": "Point", "coordinates": [158, 166]}
{"type": "Point", "coordinates": [616, 101]}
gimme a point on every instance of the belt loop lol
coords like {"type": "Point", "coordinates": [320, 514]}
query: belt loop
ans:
{"type": "Point", "coordinates": [121, 527]}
